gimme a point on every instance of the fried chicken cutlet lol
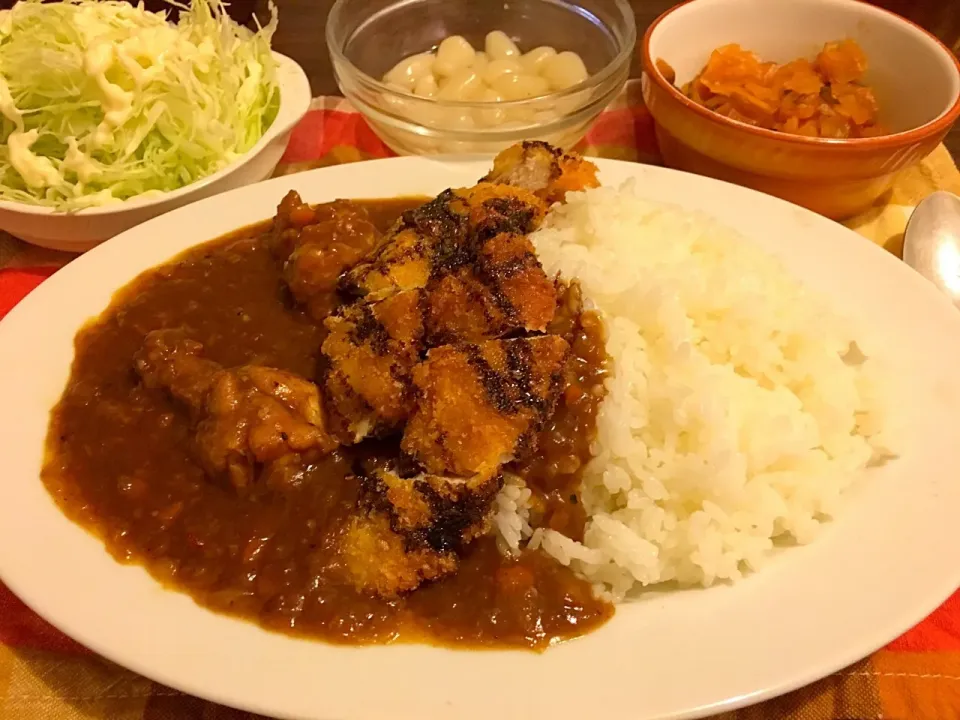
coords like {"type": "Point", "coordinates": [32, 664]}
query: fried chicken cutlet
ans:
{"type": "Point", "coordinates": [542, 169]}
{"type": "Point", "coordinates": [247, 418]}
{"type": "Point", "coordinates": [377, 560]}
{"type": "Point", "coordinates": [473, 282]}
{"type": "Point", "coordinates": [503, 289]}
{"type": "Point", "coordinates": [468, 250]}
{"type": "Point", "coordinates": [440, 236]}
{"type": "Point", "coordinates": [477, 406]}
{"type": "Point", "coordinates": [453, 275]}
{"type": "Point", "coordinates": [372, 346]}
{"type": "Point", "coordinates": [367, 359]}
{"type": "Point", "coordinates": [411, 530]}
{"type": "Point", "coordinates": [481, 405]}
{"type": "Point", "coordinates": [443, 513]}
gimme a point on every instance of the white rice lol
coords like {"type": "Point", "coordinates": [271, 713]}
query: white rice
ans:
{"type": "Point", "coordinates": [731, 419]}
{"type": "Point", "coordinates": [511, 516]}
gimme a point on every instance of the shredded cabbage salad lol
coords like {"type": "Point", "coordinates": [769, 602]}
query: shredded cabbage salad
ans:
{"type": "Point", "coordinates": [101, 101]}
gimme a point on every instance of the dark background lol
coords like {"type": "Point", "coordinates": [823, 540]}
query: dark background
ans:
{"type": "Point", "coordinates": [301, 31]}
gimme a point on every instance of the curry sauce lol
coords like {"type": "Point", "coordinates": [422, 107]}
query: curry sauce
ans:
{"type": "Point", "coordinates": [120, 464]}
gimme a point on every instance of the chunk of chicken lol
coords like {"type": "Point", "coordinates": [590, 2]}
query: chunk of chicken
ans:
{"type": "Point", "coordinates": [377, 560]}
{"type": "Point", "coordinates": [542, 169]}
{"type": "Point", "coordinates": [411, 530]}
{"type": "Point", "coordinates": [493, 208]}
{"type": "Point", "coordinates": [504, 289]}
{"type": "Point", "coordinates": [315, 244]}
{"type": "Point", "coordinates": [441, 236]}
{"type": "Point", "coordinates": [481, 405]}
{"type": "Point", "coordinates": [246, 418]}
{"type": "Point", "coordinates": [468, 250]}
{"type": "Point", "coordinates": [170, 360]}
{"type": "Point", "coordinates": [373, 346]}
{"type": "Point", "coordinates": [441, 512]}
{"type": "Point", "coordinates": [368, 357]}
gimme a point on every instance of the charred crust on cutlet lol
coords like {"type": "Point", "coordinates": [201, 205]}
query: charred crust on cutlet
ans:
{"type": "Point", "coordinates": [406, 466]}
{"type": "Point", "coordinates": [445, 242]}
{"type": "Point", "coordinates": [527, 442]}
{"type": "Point", "coordinates": [555, 152]}
{"type": "Point", "coordinates": [509, 392]}
{"type": "Point", "coordinates": [542, 145]}
{"type": "Point", "coordinates": [452, 514]}
{"type": "Point", "coordinates": [366, 328]}
{"type": "Point", "coordinates": [453, 509]}
{"type": "Point", "coordinates": [481, 280]}
{"type": "Point", "coordinates": [441, 233]}
{"type": "Point", "coordinates": [437, 218]}
{"type": "Point", "coordinates": [519, 356]}
{"type": "Point", "coordinates": [348, 389]}
{"type": "Point", "coordinates": [441, 442]}
{"type": "Point", "coordinates": [400, 373]}
{"type": "Point", "coordinates": [448, 256]}
{"type": "Point", "coordinates": [348, 285]}
{"type": "Point", "coordinates": [477, 297]}
{"type": "Point", "coordinates": [555, 170]}
{"type": "Point", "coordinates": [372, 494]}
{"type": "Point", "coordinates": [514, 266]}
{"type": "Point", "coordinates": [372, 490]}
{"type": "Point", "coordinates": [418, 249]}
{"type": "Point", "coordinates": [546, 407]}
{"type": "Point", "coordinates": [494, 384]}
{"type": "Point", "coordinates": [491, 282]}
{"type": "Point", "coordinates": [505, 214]}
{"type": "Point", "coordinates": [351, 281]}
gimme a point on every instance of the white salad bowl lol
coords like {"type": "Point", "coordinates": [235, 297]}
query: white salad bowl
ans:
{"type": "Point", "coordinates": [80, 230]}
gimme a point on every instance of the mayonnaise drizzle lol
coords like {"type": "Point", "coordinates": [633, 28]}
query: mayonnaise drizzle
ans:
{"type": "Point", "coordinates": [183, 89]}
{"type": "Point", "coordinates": [36, 170]}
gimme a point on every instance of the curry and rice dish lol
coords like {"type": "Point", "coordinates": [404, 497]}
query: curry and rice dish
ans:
{"type": "Point", "coordinates": [307, 422]}
{"type": "Point", "coordinates": [478, 419]}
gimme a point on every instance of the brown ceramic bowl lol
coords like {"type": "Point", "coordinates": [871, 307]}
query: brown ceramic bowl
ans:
{"type": "Point", "coordinates": [915, 77]}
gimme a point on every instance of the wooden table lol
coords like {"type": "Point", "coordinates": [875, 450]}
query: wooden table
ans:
{"type": "Point", "coordinates": [301, 33]}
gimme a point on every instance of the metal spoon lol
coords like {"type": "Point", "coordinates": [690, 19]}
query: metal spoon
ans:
{"type": "Point", "coordinates": [931, 243]}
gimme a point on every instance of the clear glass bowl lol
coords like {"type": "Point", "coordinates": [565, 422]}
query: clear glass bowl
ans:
{"type": "Point", "coordinates": [368, 37]}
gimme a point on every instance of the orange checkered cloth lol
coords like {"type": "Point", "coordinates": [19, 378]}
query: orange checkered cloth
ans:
{"type": "Point", "coordinates": [46, 676]}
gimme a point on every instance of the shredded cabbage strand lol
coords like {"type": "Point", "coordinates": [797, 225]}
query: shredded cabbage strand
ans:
{"type": "Point", "coordinates": [101, 101]}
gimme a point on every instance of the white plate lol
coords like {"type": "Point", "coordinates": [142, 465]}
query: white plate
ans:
{"type": "Point", "coordinates": [888, 561]}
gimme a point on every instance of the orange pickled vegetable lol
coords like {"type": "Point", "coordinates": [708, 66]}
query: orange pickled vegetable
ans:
{"type": "Point", "coordinates": [825, 97]}
{"type": "Point", "coordinates": [842, 62]}
{"type": "Point", "coordinates": [667, 71]}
